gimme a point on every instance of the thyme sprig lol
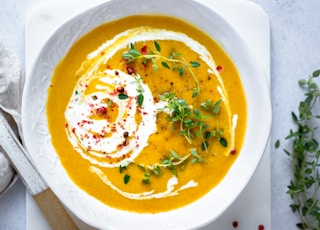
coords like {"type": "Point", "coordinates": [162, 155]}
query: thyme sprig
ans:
{"type": "Point", "coordinates": [172, 161]}
{"type": "Point", "coordinates": [176, 60]}
{"type": "Point", "coordinates": [217, 132]}
{"type": "Point", "coordinates": [140, 90]}
{"type": "Point", "coordinates": [191, 121]}
{"type": "Point", "coordinates": [305, 154]}
{"type": "Point", "coordinates": [188, 118]}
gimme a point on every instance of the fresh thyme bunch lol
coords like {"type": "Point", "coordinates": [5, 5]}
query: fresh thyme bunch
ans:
{"type": "Point", "coordinates": [305, 154]}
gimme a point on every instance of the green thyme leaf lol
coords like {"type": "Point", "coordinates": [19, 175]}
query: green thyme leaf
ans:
{"type": "Point", "coordinates": [122, 168]}
{"type": "Point", "coordinates": [146, 179]}
{"type": "Point", "coordinates": [194, 64]}
{"type": "Point", "coordinates": [122, 96]}
{"type": "Point", "coordinates": [142, 167]}
{"type": "Point", "coordinates": [126, 178]}
{"type": "Point", "coordinates": [223, 142]}
{"type": "Point", "coordinates": [140, 99]}
{"type": "Point", "coordinates": [316, 73]}
{"type": "Point", "coordinates": [134, 53]}
{"type": "Point", "coordinates": [158, 48]}
{"type": "Point", "coordinates": [164, 64]}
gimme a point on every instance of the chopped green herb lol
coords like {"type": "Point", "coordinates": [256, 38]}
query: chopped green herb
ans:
{"type": "Point", "coordinates": [164, 64]}
{"type": "Point", "coordinates": [204, 145]}
{"type": "Point", "coordinates": [158, 48]}
{"type": "Point", "coordinates": [194, 64]}
{"type": "Point", "coordinates": [223, 142]}
{"type": "Point", "coordinates": [146, 179]}
{"type": "Point", "coordinates": [122, 168]}
{"type": "Point", "coordinates": [126, 179]}
{"type": "Point", "coordinates": [122, 96]}
{"type": "Point", "coordinates": [140, 99]}
{"type": "Point", "coordinates": [142, 167]}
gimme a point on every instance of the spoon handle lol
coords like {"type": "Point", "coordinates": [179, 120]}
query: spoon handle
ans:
{"type": "Point", "coordinates": [49, 204]}
{"type": "Point", "coordinates": [54, 211]}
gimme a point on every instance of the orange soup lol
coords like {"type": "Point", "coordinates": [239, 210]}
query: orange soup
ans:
{"type": "Point", "coordinates": [146, 113]}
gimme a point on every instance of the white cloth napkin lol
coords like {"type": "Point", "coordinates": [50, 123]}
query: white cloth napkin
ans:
{"type": "Point", "coordinates": [11, 86]}
{"type": "Point", "coordinates": [11, 83]}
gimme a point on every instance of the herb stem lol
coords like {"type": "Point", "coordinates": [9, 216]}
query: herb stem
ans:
{"type": "Point", "coordinates": [175, 163]}
{"type": "Point", "coordinates": [178, 62]}
{"type": "Point", "coordinates": [182, 62]}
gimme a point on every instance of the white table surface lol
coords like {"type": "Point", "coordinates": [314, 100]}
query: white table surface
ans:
{"type": "Point", "coordinates": [295, 53]}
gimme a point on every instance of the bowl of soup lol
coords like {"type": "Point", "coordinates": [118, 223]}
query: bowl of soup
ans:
{"type": "Point", "coordinates": [152, 114]}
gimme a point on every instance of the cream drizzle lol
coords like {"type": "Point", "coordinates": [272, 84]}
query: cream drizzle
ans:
{"type": "Point", "coordinates": [171, 191]}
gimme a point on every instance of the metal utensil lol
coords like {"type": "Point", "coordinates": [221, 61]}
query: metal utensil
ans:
{"type": "Point", "coordinates": [49, 204]}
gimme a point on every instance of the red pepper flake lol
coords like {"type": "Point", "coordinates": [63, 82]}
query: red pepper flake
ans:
{"type": "Point", "coordinates": [103, 133]}
{"type": "Point", "coordinates": [144, 49]}
{"type": "Point", "coordinates": [116, 73]}
{"type": "Point", "coordinates": [219, 68]}
{"type": "Point", "coordinates": [113, 93]}
{"type": "Point", "coordinates": [113, 129]}
{"type": "Point", "coordinates": [102, 110]}
{"type": "Point", "coordinates": [120, 89]}
{"type": "Point", "coordinates": [102, 53]}
{"type": "Point", "coordinates": [233, 151]}
{"type": "Point", "coordinates": [66, 125]}
{"type": "Point", "coordinates": [130, 70]}
{"type": "Point", "coordinates": [261, 227]}
{"type": "Point", "coordinates": [235, 224]}
{"type": "Point", "coordinates": [74, 130]}
{"type": "Point", "coordinates": [125, 143]}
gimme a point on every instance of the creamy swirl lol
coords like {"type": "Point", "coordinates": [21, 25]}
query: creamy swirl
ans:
{"type": "Point", "coordinates": [98, 137]}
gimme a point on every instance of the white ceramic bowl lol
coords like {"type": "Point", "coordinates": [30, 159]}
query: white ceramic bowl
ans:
{"type": "Point", "coordinates": [92, 211]}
